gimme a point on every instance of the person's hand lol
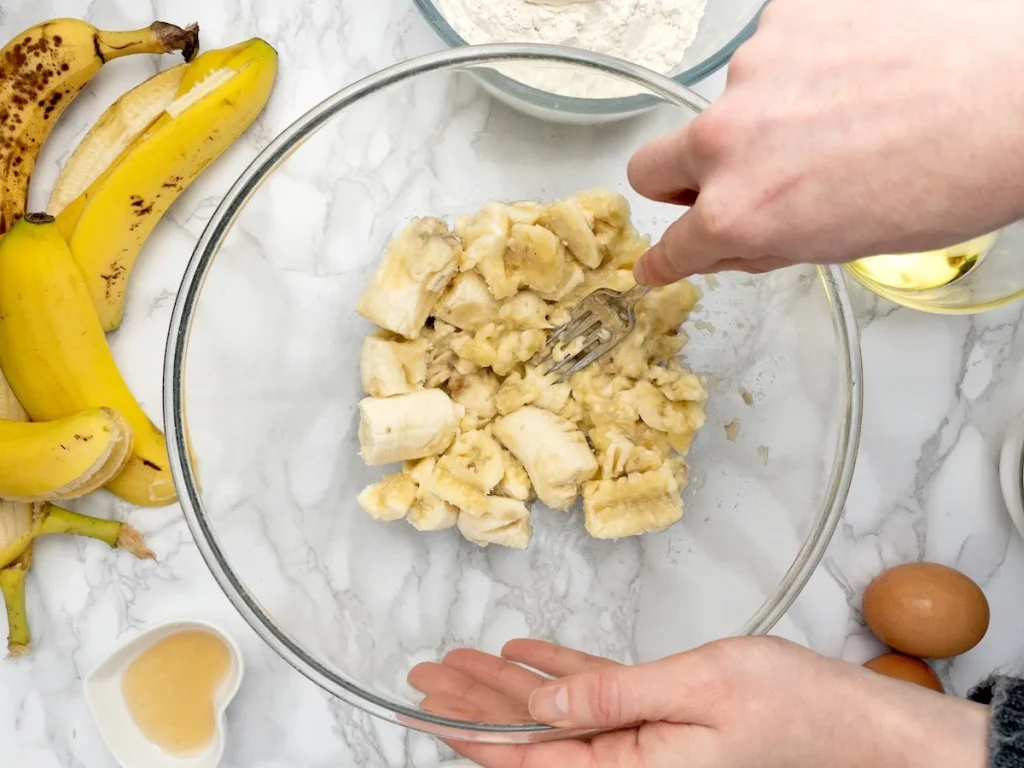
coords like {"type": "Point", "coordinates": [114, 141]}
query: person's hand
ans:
{"type": "Point", "coordinates": [742, 703]}
{"type": "Point", "coordinates": [847, 128]}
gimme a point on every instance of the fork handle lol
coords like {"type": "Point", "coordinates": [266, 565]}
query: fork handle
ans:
{"type": "Point", "coordinates": [633, 295]}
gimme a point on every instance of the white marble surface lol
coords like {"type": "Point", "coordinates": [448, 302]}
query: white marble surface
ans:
{"type": "Point", "coordinates": [939, 395]}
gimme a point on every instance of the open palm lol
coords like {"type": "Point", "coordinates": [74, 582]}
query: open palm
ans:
{"type": "Point", "coordinates": [741, 703]}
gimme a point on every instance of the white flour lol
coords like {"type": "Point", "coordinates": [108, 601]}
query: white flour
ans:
{"type": "Point", "coordinates": [652, 33]}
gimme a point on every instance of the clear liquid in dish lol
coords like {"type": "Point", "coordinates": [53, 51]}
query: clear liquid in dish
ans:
{"type": "Point", "coordinates": [927, 270]}
{"type": "Point", "coordinates": [170, 690]}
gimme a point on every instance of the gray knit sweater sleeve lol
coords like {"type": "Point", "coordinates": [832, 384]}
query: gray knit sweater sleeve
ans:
{"type": "Point", "coordinates": [1005, 696]}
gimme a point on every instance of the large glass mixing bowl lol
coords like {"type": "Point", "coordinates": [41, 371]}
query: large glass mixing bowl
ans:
{"type": "Point", "coordinates": [262, 385]}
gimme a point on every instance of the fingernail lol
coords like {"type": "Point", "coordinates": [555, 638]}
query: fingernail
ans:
{"type": "Point", "coordinates": [550, 705]}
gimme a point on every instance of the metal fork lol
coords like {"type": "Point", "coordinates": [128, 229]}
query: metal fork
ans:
{"type": "Point", "coordinates": [603, 319]}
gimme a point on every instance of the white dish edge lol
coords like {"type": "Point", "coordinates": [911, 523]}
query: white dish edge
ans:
{"type": "Point", "coordinates": [103, 697]}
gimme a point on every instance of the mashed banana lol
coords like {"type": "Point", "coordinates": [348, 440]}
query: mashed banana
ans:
{"type": "Point", "coordinates": [469, 320]}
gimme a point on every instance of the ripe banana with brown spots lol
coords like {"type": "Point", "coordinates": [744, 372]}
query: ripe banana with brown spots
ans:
{"type": "Point", "coordinates": [41, 71]}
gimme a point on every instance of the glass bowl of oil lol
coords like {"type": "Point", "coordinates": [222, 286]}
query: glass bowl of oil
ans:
{"type": "Point", "coordinates": [979, 274]}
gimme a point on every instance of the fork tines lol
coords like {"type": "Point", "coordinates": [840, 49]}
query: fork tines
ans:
{"type": "Point", "coordinates": [597, 324]}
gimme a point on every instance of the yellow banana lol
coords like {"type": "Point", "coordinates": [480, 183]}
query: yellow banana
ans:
{"type": "Point", "coordinates": [41, 72]}
{"type": "Point", "coordinates": [117, 129]}
{"type": "Point", "coordinates": [221, 94]}
{"type": "Point", "coordinates": [21, 523]}
{"type": "Point", "coordinates": [56, 357]}
{"type": "Point", "coordinates": [62, 459]}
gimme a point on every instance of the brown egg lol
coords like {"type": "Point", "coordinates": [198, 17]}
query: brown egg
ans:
{"type": "Point", "coordinates": [906, 668]}
{"type": "Point", "coordinates": [926, 610]}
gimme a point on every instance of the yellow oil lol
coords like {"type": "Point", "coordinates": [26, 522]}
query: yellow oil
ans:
{"type": "Point", "coordinates": [170, 690]}
{"type": "Point", "coordinates": [927, 270]}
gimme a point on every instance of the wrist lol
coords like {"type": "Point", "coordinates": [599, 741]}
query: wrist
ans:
{"type": "Point", "coordinates": [901, 725]}
{"type": "Point", "coordinates": [929, 730]}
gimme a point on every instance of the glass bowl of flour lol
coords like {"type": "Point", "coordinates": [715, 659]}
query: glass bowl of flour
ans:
{"type": "Point", "coordinates": [263, 366]}
{"type": "Point", "coordinates": [686, 40]}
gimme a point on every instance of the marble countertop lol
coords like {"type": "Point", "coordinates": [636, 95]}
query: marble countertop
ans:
{"type": "Point", "coordinates": [939, 393]}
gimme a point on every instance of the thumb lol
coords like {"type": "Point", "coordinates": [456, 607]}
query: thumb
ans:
{"type": "Point", "coordinates": [618, 696]}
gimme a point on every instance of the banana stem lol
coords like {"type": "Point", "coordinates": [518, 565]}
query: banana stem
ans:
{"type": "Point", "coordinates": [57, 520]}
{"type": "Point", "coordinates": [130, 540]}
{"type": "Point", "coordinates": [159, 37]}
{"type": "Point", "coordinates": [112, 533]}
{"type": "Point", "coordinates": [60, 520]}
{"type": "Point", "coordinates": [12, 586]}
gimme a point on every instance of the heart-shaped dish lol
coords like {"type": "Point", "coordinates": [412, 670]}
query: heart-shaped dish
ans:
{"type": "Point", "coordinates": [106, 702]}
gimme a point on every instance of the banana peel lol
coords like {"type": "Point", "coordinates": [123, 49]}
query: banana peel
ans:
{"type": "Point", "coordinates": [12, 587]}
{"type": "Point", "coordinates": [116, 130]}
{"type": "Point", "coordinates": [16, 520]}
{"type": "Point", "coordinates": [221, 94]}
{"type": "Point", "coordinates": [62, 459]}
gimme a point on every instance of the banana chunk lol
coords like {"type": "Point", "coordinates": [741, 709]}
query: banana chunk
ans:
{"type": "Point", "coordinates": [440, 358]}
{"type": "Point", "coordinates": [664, 309]}
{"type": "Point", "coordinates": [639, 503]}
{"type": "Point", "coordinates": [576, 228]}
{"type": "Point", "coordinates": [526, 311]}
{"type": "Point", "coordinates": [416, 268]}
{"type": "Point", "coordinates": [484, 236]}
{"type": "Point", "coordinates": [498, 348]}
{"type": "Point", "coordinates": [605, 205]}
{"type": "Point", "coordinates": [429, 513]}
{"type": "Point", "coordinates": [506, 522]}
{"type": "Point", "coordinates": [467, 304]}
{"type": "Point", "coordinates": [515, 483]}
{"type": "Point", "coordinates": [618, 454]}
{"type": "Point", "coordinates": [621, 248]}
{"type": "Point", "coordinates": [476, 393]}
{"type": "Point", "coordinates": [468, 471]}
{"type": "Point", "coordinates": [403, 427]}
{"type": "Point", "coordinates": [525, 212]}
{"type": "Point", "coordinates": [687, 387]}
{"type": "Point", "coordinates": [553, 451]}
{"type": "Point", "coordinates": [391, 367]}
{"type": "Point", "coordinates": [390, 499]}
{"type": "Point", "coordinates": [659, 412]}
{"type": "Point", "coordinates": [573, 279]}
{"type": "Point", "coordinates": [534, 388]}
{"type": "Point", "coordinates": [605, 397]}
{"type": "Point", "coordinates": [535, 257]}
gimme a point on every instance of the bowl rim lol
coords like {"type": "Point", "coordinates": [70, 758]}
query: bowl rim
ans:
{"type": "Point", "coordinates": [621, 105]}
{"type": "Point", "coordinates": [184, 474]}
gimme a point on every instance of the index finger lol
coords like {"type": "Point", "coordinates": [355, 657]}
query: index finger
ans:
{"type": "Point", "coordinates": [503, 675]}
{"type": "Point", "coordinates": [688, 247]}
{"type": "Point", "coordinates": [551, 659]}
